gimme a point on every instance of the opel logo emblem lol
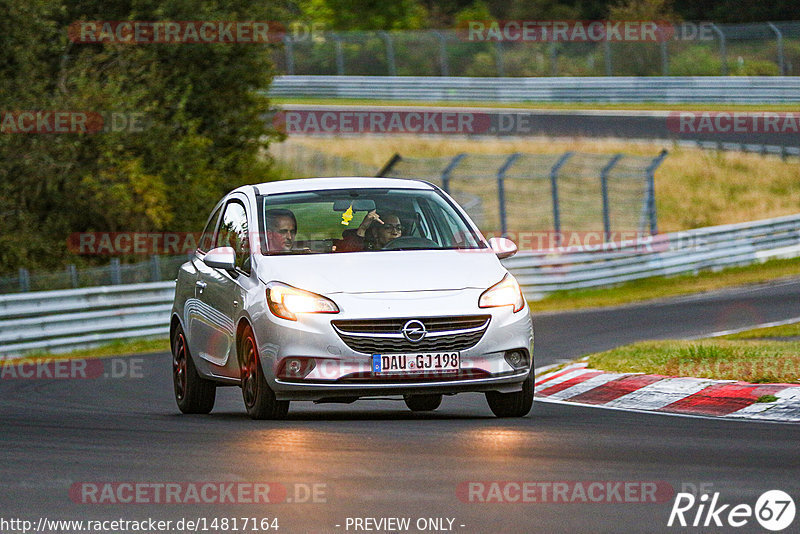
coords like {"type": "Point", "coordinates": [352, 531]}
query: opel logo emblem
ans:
{"type": "Point", "coordinates": [414, 331]}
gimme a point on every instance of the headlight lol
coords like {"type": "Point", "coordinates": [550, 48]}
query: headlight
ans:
{"type": "Point", "coordinates": [285, 301]}
{"type": "Point", "coordinates": [506, 292]}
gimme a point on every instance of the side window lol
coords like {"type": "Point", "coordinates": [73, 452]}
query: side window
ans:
{"type": "Point", "coordinates": [206, 242]}
{"type": "Point", "coordinates": [233, 232]}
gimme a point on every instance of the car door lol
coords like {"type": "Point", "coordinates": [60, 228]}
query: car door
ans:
{"type": "Point", "coordinates": [220, 294]}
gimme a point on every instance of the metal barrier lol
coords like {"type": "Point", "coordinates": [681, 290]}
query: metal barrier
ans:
{"type": "Point", "coordinates": [545, 271]}
{"type": "Point", "coordinates": [62, 320]}
{"type": "Point", "coordinates": [72, 318]}
{"type": "Point", "coordinates": [700, 89]}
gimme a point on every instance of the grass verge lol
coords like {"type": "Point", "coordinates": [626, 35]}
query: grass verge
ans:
{"type": "Point", "coordinates": [662, 287]}
{"type": "Point", "coordinates": [115, 348]}
{"type": "Point", "coordinates": [748, 360]}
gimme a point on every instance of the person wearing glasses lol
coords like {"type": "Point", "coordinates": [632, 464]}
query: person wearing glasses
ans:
{"type": "Point", "coordinates": [281, 229]}
{"type": "Point", "coordinates": [374, 233]}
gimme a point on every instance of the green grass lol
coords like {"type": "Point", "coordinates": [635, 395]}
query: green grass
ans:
{"type": "Point", "coordinates": [767, 398]}
{"type": "Point", "coordinates": [662, 287]}
{"type": "Point", "coordinates": [115, 348]}
{"type": "Point", "coordinates": [748, 361]}
{"type": "Point", "coordinates": [787, 330]}
{"type": "Point", "coordinates": [647, 106]}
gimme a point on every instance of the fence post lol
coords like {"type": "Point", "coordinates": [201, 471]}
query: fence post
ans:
{"type": "Point", "coordinates": [501, 68]}
{"type": "Point", "coordinates": [651, 190]}
{"type": "Point", "coordinates": [339, 54]}
{"type": "Point", "coordinates": [449, 169]}
{"type": "Point", "coordinates": [24, 279]}
{"type": "Point", "coordinates": [604, 191]}
{"type": "Point", "coordinates": [388, 166]}
{"type": "Point", "coordinates": [288, 46]}
{"type": "Point", "coordinates": [73, 274]}
{"type": "Point", "coordinates": [443, 61]}
{"type": "Point", "coordinates": [390, 61]}
{"type": "Point", "coordinates": [722, 48]}
{"type": "Point", "coordinates": [501, 191]}
{"type": "Point", "coordinates": [116, 275]}
{"type": "Point", "coordinates": [781, 60]}
{"type": "Point", "coordinates": [554, 191]}
{"type": "Point", "coordinates": [155, 269]}
{"type": "Point", "coordinates": [553, 59]}
{"type": "Point", "coordinates": [607, 57]}
{"type": "Point", "coordinates": [664, 59]}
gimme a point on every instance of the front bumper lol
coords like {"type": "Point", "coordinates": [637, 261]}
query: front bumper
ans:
{"type": "Point", "coordinates": [342, 372]}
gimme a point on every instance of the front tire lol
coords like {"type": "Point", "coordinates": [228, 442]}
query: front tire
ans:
{"type": "Point", "coordinates": [193, 393]}
{"type": "Point", "coordinates": [259, 399]}
{"type": "Point", "coordinates": [516, 404]}
{"type": "Point", "coordinates": [422, 403]}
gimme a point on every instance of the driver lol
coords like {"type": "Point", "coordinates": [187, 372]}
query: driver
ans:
{"type": "Point", "coordinates": [374, 233]}
{"type": "Point", "coordinates": [281, 229]}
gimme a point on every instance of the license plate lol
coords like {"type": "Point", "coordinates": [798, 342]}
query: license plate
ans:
{"type": "Point", "coordinates": [416, 363]}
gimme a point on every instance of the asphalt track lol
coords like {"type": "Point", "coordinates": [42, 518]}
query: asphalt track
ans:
{"type": "Point", "coordinates": [376, 459]}
{"type": "Point", "coordinates": [618, 124]}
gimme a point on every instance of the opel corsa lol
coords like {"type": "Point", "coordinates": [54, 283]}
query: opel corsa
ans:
{"type": "Point", "coordinates": [338, 289]}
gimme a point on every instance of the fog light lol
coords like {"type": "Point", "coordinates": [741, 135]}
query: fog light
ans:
{"type": "Point", "coordinates": [296, 367]}
{"type": "Point", "coordinates": [516, 358]}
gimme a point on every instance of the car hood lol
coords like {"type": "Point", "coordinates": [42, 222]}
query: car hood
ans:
{"type": "Point", "coordinates": [384, 271]}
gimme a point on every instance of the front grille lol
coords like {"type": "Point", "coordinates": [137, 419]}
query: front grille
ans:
{"type": "Point", "coordinates": [384, 336]}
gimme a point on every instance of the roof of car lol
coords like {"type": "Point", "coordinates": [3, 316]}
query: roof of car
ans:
{"type": "Point", "coordinates": [346, 182]}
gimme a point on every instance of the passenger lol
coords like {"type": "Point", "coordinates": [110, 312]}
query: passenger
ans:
{"type": "Point", "coordinates": [374, 233]}
{"type": "Point", "coordinates": [281, 230]}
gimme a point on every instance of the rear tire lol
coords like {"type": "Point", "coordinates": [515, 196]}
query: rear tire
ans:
{"type": "Point", "coordinates": [517, 404]}
{"type": "Point", "coordinates": [193, 393]}
{"type": "Point", "coordinates": [259, 399]}
{"type": "Point", "coordinates": [422, 403]}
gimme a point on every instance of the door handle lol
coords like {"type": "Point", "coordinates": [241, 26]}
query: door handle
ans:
{"type": "Point", "coordinates": [202, 285]}
{"type": "Point", "coordinates": [235, 303]}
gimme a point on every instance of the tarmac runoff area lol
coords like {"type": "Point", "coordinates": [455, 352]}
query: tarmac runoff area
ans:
{"type": "Point", "coordinates": [577, 384]}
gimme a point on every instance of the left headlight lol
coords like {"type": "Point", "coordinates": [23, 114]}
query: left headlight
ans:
{"type": "Point", "coordinates": [286, 301]}
{"type": "Point", "coordinates": [506, 292]}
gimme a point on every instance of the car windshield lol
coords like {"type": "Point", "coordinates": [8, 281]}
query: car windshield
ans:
{"type": "Point", "coordinates": [333, 221]}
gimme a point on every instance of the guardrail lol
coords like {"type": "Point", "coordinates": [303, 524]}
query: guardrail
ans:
{"type": "Point", "coordinates": [662, 89]}
{"type": "Point", "coordinates": [67, 319]}
{"type": "Point", "coordinates": [714, 248]}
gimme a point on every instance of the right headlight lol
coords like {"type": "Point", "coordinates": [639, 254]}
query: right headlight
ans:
{"type": "Point", "coordinates": [285, 301]}
{"type": "Point", "coordinates": [506, 292]}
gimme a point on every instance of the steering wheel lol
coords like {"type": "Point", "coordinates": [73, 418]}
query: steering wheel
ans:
{"type": "Point", "coordinates": [410, 242]}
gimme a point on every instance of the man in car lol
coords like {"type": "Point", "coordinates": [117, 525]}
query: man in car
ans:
{"type": "Point", "coordinates": [281, 229]}
{"type": "Point", "coordinates": [373, 233]}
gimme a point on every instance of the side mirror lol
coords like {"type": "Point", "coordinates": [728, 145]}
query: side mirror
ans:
{"type": "Point", "coordinates": [503, 247]}
{"type": "Point", "coordinates": [221, 258]}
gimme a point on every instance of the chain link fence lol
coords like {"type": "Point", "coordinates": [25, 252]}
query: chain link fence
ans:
{"type": "Point", "coordinates": [156, 269]}
{"type": "Point", "coordinates": [534, 193]}
{"type": "Point", "coordinates": [692, 49]}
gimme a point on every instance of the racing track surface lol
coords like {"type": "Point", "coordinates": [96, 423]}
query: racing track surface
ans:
{"type": "Point", "coordinates": [377, 459]}
{"type": "Point", "coordinates": [618, 124]}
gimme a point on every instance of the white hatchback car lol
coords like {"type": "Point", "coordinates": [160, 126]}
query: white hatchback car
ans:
{"type": "Point", "coordinates": [336, 289]}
